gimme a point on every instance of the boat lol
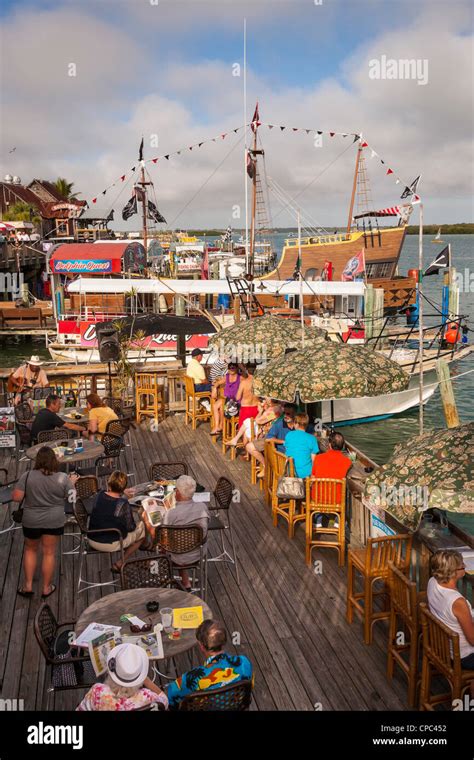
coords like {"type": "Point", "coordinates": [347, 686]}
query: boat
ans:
{"type": "Point", "coordinates": [437, 237]}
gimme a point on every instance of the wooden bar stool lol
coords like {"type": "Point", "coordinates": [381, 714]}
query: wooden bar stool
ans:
{"type": "Point", "coordinates": [220, 396]}
{"type": "Point", "coordinates": [149, 397]}
{"type": "Point", "coordinates": [194, 410]}
{"type": "Point", "coordinates": [269, 453]}
{"type": "Point", "coordinates": [326, 496]}
{"type": "Point", "coordinates": [229, 430]}
{"type": "Point", "coordinates": [404, 612]}
{"type": "Point", "coordinates": [291, 510]}
{"type": "Point", "coordinates": [441, 654]}
{"type": "Point", "coordinates": [372, 564]}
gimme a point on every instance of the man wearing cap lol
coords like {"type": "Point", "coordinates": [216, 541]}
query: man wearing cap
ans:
{"type": "Point", "coordinates": [29, 376]}
{"type": "Point", "coordinates": [197, 371]}
{"type": "Point", "coordinates": [127, 686]}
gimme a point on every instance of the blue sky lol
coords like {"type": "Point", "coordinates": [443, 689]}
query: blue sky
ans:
{"type": "Point", "coordinates": [165, 69]}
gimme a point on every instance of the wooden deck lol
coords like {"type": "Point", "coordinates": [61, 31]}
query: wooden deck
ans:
{"type": "Point", "coordinates": [291, 621]}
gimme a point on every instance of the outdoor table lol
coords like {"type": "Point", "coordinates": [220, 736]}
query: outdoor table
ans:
{"type": "Point", "coordinates": [72, 410]}
{"type": "Point", "coordinates": [110, 608]}
{"type": "Point", "coordinates": [92, 450]}
{"type": "Point", "coordinates": [141, 490]}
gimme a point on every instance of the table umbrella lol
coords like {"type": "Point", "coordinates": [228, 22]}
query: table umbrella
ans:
{"type": "Point", "coordinates": [264, 337]}
{"type": "Point", "coordinates": [330, 371]}
{"type": "Point", "coordinates": [435, 469]}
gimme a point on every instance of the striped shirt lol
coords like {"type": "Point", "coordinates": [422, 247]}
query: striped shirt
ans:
{"type": "Point", "coordinates": [218, 369]}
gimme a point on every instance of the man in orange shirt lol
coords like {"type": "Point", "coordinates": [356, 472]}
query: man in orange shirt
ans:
{"type": "Point", "coordinates": [332, 464]}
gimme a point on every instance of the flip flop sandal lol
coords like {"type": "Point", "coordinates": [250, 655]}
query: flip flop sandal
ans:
{"type": "Point", "coordinates": [53, 589]}
{"type": "Point", "coordinates": [115, 570]}
{"type": "Point", "coordinates": [24, 593]}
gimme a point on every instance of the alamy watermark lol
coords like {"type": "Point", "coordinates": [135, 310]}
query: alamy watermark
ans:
{"type": "Point", "coordinates": [401, 68]}
{"type": "Point", "coordinates": [12, 283]}
{"type": "Point", "coordinates": [243, 353]}
{"type": "Point", "coordinates": [394, 496]}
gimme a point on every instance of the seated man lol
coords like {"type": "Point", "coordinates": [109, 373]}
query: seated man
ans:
{"type": "Point", "coordinates": [282, 426]}
{"type": "Point", "coordinates": [48, 418]}
{"type": "Point", "coordinates": [301, 446]}
{"type": "Point", "coordinates": [196, 371]}
{"type": "Point", "coordinates": [187, 512]}
{"type": "Point", "coordinates": [219, 669]}
{"type": "Point", "coordinates": [332, 464]}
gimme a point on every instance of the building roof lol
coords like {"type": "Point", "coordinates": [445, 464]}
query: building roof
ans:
{"type": "Point", "coordinates": [86, 251]}
{"type": "Point", "coordinates": [13, 193]}
{"type": "Point", "coordinates": [102, 213]}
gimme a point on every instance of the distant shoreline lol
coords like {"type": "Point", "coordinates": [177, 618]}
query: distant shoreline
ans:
{"type": "Point", "coordinates": [460, 228]}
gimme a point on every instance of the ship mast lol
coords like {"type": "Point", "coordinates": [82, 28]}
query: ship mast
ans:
{"type": "Point", "coordinates": [254, 152]}
{"type": "Point", "coordinates": [354, 185]}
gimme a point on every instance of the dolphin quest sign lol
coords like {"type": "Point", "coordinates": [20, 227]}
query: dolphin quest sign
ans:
{"type": "Point", "coordinates": [77, 266]}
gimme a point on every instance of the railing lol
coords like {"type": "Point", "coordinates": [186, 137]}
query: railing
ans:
{"type": "Point", "coordinates": [319, 240]}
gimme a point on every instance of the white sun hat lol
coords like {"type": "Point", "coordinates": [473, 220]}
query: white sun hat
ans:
{"type": "Point", "coordinates": [35, 361]}
{"type": "Point", "coordinates": [128, 665]}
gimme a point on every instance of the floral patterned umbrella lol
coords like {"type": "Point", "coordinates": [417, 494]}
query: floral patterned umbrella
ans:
{"type": "Point", "coordinates": [435, 469]}
{"type": "Point", "coordinates": [265, 337]}
{"type": "Point", "coordinates": [330, 371]}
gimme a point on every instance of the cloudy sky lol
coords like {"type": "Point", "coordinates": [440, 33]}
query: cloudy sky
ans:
{"type": "Point", "coordinates": [165, 69]}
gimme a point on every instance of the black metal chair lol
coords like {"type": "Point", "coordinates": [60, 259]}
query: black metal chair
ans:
{"type": "Point", "coordinates": [58, 434]}
{"type": "Point", "coordinates": [232, 698]}
{"type": "Point", "coordinates": [68, 669]}
{"type": "Point", "coordinates": [23, 442]}
{"type": "Point", "coordinates": [223, 498]}
{"type": "Point", "coordinates": [116, 404]}
{"type": "Point", "coordinates": [149, 572]}
{"type": "Point", "coordinates": [168, 470]}
{"type": "Point", "coordinates": [181, 539]}
{"type": "Point", "coordinates": [109, 460]}
{"type": "Point", "coordinates": [86, 486]}
{"type": "Point", "coordinates": [85, 549]}
{"type": "Point", "coordinates": [4, 482]}
{"type": "Point", "coordinates": [24, 412]}
{"type": "Point", "coordinates": [117, 427]}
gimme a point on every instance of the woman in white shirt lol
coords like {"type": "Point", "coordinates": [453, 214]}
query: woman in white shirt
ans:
{"type": "Point", "coordinates": [449, 605]}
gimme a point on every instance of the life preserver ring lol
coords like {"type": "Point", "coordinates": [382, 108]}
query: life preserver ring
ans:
{"type": "Point", "coordinates": [452, 334]}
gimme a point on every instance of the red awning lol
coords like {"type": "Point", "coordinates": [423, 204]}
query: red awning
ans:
{"type": "Point", "coordinates": [88, 258]}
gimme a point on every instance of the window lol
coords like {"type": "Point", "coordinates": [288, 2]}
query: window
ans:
{"type": "Point", "coordinates": [61, 227]}
{"type": "Point", "coordinates": [382, 269]}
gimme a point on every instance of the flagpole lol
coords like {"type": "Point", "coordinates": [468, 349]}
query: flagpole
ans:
{"type": "Point", "coordinates": [301, 281]}
{"type": "Point", "coordinates": [420, 314]}
{"type": "Point", "coordinates": [245, 152]}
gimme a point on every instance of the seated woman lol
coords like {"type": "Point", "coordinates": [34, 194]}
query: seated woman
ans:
{"type": "Point", "coordinates": [99, 415]}
{"type": "Point", "coordinates": [126, 686]}
{"type": "Point", "coordinates": [263, 423]}
{"type": "Point", "coordinates": [449, 605]}
{"type": "Point", "coordinates": [231, 382]}
{"type": "Point", "coordinates": [111, 509]}
{"type": "Point", "coordinates": [267, 412]}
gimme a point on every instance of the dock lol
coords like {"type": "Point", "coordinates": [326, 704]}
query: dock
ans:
{"type": "Point", "coordinates": [291, 622]}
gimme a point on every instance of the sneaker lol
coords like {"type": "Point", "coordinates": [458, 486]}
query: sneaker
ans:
{"type": "Point", "coordinates": [205, 403]}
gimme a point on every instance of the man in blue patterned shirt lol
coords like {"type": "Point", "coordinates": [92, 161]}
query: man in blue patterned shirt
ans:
{"type": "Point", "coordinates": [219, 669]}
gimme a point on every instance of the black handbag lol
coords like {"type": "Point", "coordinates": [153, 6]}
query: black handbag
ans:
{"type": "Point", "coordinates": [17, 515]}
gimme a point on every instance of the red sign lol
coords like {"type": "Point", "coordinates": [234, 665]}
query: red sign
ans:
{"type": "Point", "coordinates": [163, 340]}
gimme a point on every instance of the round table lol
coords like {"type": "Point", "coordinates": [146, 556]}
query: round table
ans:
{"type": "Point", "coordinates": [92, 450]}
{"type": "Point", "coordinates": [110, 608]}
{"type": "Point", "coordinates": [84, 415]}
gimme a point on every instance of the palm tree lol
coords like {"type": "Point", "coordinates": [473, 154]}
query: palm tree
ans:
{"type": "Point", "coordinates": [64, 188]}
{"type": "Point", "coordinates": [22, 212]}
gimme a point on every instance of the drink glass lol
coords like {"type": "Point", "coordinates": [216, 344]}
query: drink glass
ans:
{"type": "Point", "coordinates": [166, 614]}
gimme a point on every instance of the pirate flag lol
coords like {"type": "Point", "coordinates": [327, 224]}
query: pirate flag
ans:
{"type": "Point", "coordinates": [441, 262]}
{"type": "Point", "coordinates": [251, 165]}
{"type": "Point", "coordinates": [154, 214]}
{"type": "Point", "coordinates": [412, 189]}
{"type": "Point", "coordinates": [130, 208]}
{"type": "Point", "coordinates": [140, 151]}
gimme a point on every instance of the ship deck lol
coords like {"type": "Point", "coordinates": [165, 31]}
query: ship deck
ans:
{"type": "Point", "coordinates": [291, 621]}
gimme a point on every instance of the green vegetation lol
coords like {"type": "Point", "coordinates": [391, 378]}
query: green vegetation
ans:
{"type": "Point", "coordinates": [64, 188]}
{"type": "Point", "coordinates": [462, 228]}
{"type": "Point", "coordinates": [22, 212]}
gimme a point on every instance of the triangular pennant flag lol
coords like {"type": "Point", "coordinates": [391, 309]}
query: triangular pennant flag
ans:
{"type": "Point", "coordinates": [201, 144]}
{"type": "Point", "coordinates": [416, 198]}
{"type": "Point", "coordinates": [190, 147]}
{"type": "Point", "coordinates": [397, 181]}
{"type": "Point", "coordinates": [270, 126]}
{"type": "Point", "coordinates": [104, 192]}
{"type": "Point", "coordinates": [331, 134]}
{"type": "Point", "coordinates": [213, 140]}
{"type": "Point", "coordinates": [344, 135]}
{"type": "Point", "coordinates": [224, 135]}
{"type": "Point", "coordinates": [356, 137]}
{"type": "Point", "coordinates": [94, 200]}
{"type": "Point", "coordinates": [307, 131]}
{"type": "Point", "coordinates": [236, 130]}
{"type": "Point", "coordinates": [178, 152]}
{"type": "Point", "coordinates": [295, 129]}
{"type": "Point", "coordinates": [365, 145]}
{"type": "Point", "coordinates": [382, 161]}
{"type": "Point", "coordinates": [319, 132]}
{"type": "Point", "coordinates": [282, 128]}
{"type": "Point", "coordinates": [122, 177]}
{"type": "Point", "coordinates": [167, 157]}
{"type": "Point", "coordinates": [154, 160]}
{"type": "Point", "coordinates": [133, 168]}
{"type": "Point", "coordinates": [389, 171]}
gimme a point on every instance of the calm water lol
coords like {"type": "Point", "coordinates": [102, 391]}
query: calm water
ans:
{"type": "Point", "coordinates": [377, 439]}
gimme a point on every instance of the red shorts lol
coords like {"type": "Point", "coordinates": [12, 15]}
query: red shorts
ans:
{"type": "Point", "coordinates": [246, 412]}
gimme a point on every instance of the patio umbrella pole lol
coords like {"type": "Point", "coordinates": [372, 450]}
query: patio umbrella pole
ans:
{"type": "Point", "coordinates": [301, 281]}
{"type": "Point", "coordinates": [332, 414]}
{"type": "Point", "coordinates": [420, 314]}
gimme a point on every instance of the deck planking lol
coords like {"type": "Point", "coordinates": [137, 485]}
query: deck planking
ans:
{"type": "Point", "coordinates": [291, 622]}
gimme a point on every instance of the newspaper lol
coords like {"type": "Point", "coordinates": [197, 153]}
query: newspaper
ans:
{"type": "Point", "coordinates": [92, 631]}
{"type": "Point", "coordinates": [99, 649]}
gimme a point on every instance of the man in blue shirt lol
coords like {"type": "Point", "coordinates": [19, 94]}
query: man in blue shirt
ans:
{"type": "Point", "coordinates": [282, 426]}
{"type": "Point", "coordinates": [219, 669]}
{"type": "Point", "coordinates": [302, 447]}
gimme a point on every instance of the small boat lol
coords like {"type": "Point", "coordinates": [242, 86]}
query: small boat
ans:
{"type": "Point", "coordinates": [437, 237]}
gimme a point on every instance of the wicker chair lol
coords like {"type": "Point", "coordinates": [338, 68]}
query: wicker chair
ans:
{"type": "Point", "coordinates": [181, 539]}
{"type": "Point", "coordinates": [82, 519]}
{"type": "Point", "coordinates": [86, 486]}
{"type": "Point", "coordinates": [24, 435]}
{"type": "Point", "coordinates": [223, 498]}
{"type": "Point", "coordinates": [232, 698]}
{"type": "Point", "coordinates": [194, 411]}
{"type": "Point", "coordinates": [168, 470]}
{"type": "Point", "coordinates": [326, 496]}
{"type": "Point", "coordinates": [68, 670]}
{"type": "Point", "coordinates": [116, 427]}
{"type": "Point", "coordinates": [116, 404]}
{"type": "Point", "coordinates": [24, 412]}
{"type": "Point", "coordinates": [441, 654]}
{"type": "Point", "coordinates": [149, 572]}
{"type": "Point", "coordinates": [54, 435]}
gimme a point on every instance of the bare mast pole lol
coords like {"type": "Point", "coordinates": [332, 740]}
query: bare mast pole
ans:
{"type": "Point", "coordinates": [246, 239]}
{"type": "Point", "coordinates": [420, 315]}
{"type": "Point", "coordinates": [144, 183]}
{"type": "Point", "coordinates": [254, 203]}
